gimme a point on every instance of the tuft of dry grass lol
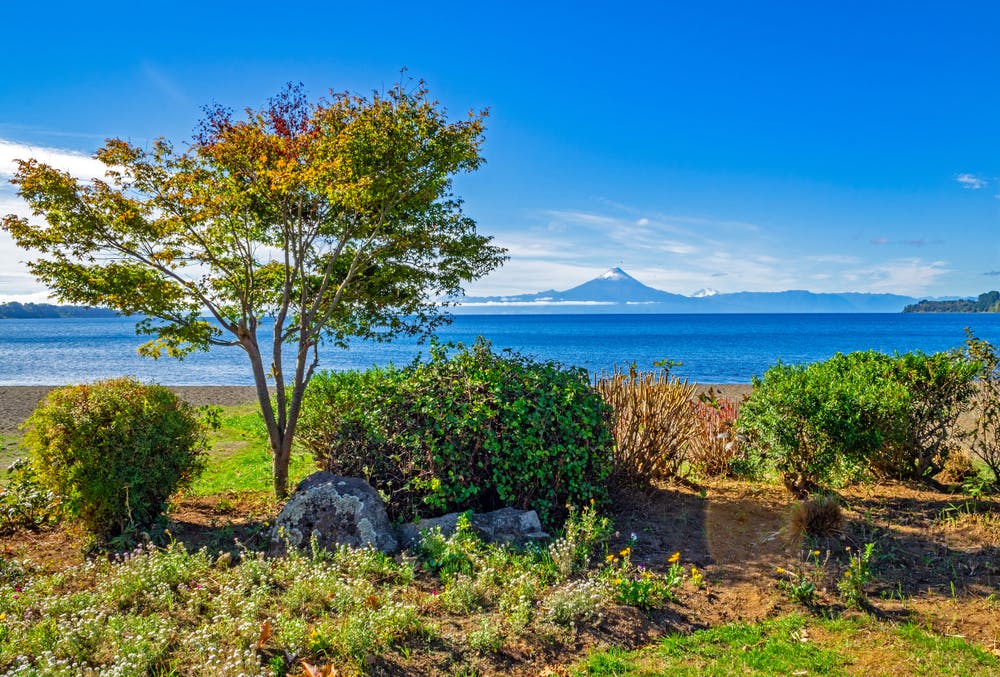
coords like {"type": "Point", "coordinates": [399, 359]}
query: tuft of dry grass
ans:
{"type": "Point", "coordinates": [958, 468]}
{"type": "Point", "coordinates": [818, 516]}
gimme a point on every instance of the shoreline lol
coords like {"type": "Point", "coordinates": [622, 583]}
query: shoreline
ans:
{"type": "Point", "coordinates": [17, 402]}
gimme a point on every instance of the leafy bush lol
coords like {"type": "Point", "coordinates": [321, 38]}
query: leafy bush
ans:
{"type": "Point", "coordinates": [114, 451]}
{"type": "Point", "coordinates": [716, 446]}
{"type": "Point", "coordinates": [939, 388]}
{"type": "Point", "coordinates": [474, 431]}
{"type": "Point", "coordinates": [822, 423]}
{"type": "Point", "coordinates": [654, 425]}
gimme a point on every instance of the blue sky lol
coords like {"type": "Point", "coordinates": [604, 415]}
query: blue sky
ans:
{"type": "Point", "coordinates": [737, 146]}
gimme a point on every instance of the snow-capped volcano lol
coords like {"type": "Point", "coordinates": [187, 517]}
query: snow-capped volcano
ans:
{"type": "Point", "coordinates": [615, 274]}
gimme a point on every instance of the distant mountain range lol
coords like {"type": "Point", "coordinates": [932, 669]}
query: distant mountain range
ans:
{"type": "Point", "coordinates": [615, 291]}
{"type": "Point", "coordinates": [23, 311]}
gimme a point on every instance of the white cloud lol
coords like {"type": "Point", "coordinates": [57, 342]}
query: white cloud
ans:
{"type": "Point", "coordinates": [79, 165]}
{"type": "Point", "coordinates": [530, 275]}
{"type": "Point", "coordinates": [532, 304]}
{"type": "Point", "coordinates": [971, 181]}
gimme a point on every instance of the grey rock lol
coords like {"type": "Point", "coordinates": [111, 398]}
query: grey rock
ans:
{"type": "Point", "coordinates": [507, 525]}
{"type": "Point", "coordinates": [336, 511]}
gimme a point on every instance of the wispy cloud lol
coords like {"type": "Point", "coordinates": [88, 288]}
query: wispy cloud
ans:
{"type": "Point", "coordinates": [167, 85]}
{"type": "Point", "coordinates": [971, 181]}
{"type": "Point", "coordinates": [834, 258]}
{"type": "Point", "coordinates": [992, 273]}
{"type": "Point", "coordinates": [898, 276]}
{"type": "Point", "coordinates": [625, 232]}
{"type": "Point", "coordinates": [913, 242]}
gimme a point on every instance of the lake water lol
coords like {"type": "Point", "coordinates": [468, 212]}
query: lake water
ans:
{"type": "Point", "coordinates": [712, 348]}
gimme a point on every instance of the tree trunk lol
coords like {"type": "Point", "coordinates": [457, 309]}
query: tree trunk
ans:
{"type": "Point", "coordinates": [276, 433]}
{"type": "Point", "coordinates": [279, 465]}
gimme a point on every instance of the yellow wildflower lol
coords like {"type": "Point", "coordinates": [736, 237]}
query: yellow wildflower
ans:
{"type": "Point", "coordinates": [697, 577]}
{"type": "Point", "coordinates": [626, 552]}
{"type": "Point", "coordinates": [781, 571]}
{"type": "Point", "coordinates": [674, 558]}
{"type": "Point", "coordinates": [610, 558]}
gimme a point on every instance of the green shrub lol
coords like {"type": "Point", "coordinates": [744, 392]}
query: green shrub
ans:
{"type": "Point", "coordinates": [473, 431]}
{"type": "Point", "coordinates": [822, 423]}
{"type": "Point", "coordinates": [939, 388]}
{"type": "Point", "coordinates": [114, 451]}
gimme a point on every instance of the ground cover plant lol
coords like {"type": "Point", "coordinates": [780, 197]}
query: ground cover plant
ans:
{"type": "Point", "coordinates": [469, 429]}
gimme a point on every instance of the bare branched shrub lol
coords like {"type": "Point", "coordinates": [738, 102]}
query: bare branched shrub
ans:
{"type": "Point", "coordinates": [716, 445]}
{"type": "Point", "coordinates": [985, 438]}
{"type": "Point", "coordinates": [654, 425]}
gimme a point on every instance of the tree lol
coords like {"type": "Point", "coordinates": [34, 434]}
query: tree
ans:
{"type": "Point", "coordinates": [336, 219]}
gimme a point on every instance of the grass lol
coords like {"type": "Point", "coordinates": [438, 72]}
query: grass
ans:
{"type": "Point", "coordinates": [10, 451]}
{"type": "Point", "coordinates": [239, 459]}
{"type": "Point", "coordinates": [796, 645]}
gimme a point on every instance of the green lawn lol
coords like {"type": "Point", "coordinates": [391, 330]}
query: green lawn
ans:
{"type": "Point", "coordinates": [796, 645]}
{"type": "Point", "coordinates": [239, 459]}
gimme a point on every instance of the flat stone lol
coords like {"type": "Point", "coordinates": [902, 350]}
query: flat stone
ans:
{"type": "Point", "coordinates": [507, 525]}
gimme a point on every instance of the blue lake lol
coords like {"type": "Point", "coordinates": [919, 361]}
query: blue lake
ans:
{"type": "Point", "coordinates": [712, 348]}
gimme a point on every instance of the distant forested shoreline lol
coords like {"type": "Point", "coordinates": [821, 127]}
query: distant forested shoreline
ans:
{"type": "Point", "coordinates": [988, 302]}
{"type": "Point", "coordinates": [15, 310]}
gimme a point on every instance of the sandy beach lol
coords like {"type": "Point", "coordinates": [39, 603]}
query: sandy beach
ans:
{"type": "Point", "coordinates": [17, 402]}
